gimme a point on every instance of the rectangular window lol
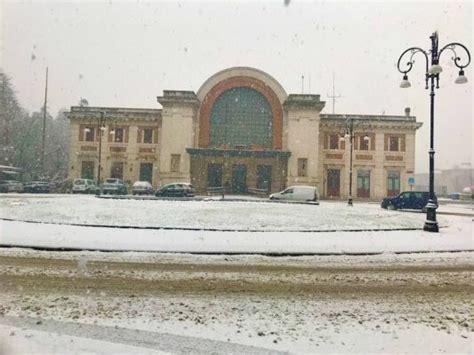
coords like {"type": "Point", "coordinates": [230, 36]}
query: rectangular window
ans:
{"type": "Point", "coordinates": [89, 134]}
{"type": "Point", "coordinates": [393, 183]}
{"type": "Point", "coordinates": [334, 141]}
{"type": "Point", "coordinates": [394, 143]}
{"type": "Point", "coordinates": [302, 167]}
{"type": "Point", "coordinates": [175, 162]}
{"type": "Point", "coordinates": [148, 135]}
{"type": "Point", "coordinates": [364, 142]}
{"type": "Point", "coordinates": [118, 135]}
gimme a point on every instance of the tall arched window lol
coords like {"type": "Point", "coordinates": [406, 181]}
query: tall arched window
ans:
{"type": "Point", "coordinates": [241, 116]}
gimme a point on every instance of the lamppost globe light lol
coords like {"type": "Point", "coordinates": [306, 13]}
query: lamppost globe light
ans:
{"type": "Point", "coordinates": [435, 69]}
{"type": "Point", "coordinates": [405, 84]}
{"type": "Point", "coordinates": [366, 138]}
{"type": "Point", "coordinates": [461, 79]}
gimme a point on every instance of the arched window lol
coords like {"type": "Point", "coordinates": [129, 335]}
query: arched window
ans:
{"type": "Point", "coordinates": [241, 117]}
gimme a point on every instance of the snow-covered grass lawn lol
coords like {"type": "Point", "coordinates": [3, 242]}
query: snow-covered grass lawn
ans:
{"type": "Point", "coordinates": [261, 227]}
{"type": "Point", "coordinates": [220, 215]}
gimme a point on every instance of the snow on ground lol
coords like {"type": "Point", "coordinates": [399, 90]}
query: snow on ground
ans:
{"type": "Point", "coordinates": [277, 226]}
{"type": "Point", "coordinates": [464, 208]}
{"type": "Point", "coordinates": [86, 209]}
{"type": "Point", "coordinates": [429, 320]}
{"type": "Point", "coordinates": [456, 237]}
{"type": "Point", "coordinates": [17, 341]}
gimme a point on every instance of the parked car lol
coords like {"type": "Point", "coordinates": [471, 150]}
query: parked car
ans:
{"type": "Point", "coordinates": [37, 187]}
{"type": "Point", "coordinates": [114, 187]}
{"type": "Point", "coordinates": [177, 189]}
{"type": "Point", "coordinates": [142, 188]}
{"type": "Point", "coordinates": [297, 193]}
{"type": "Point", "coordinates": [455, 196]}
{"type": "Point", "coordinates": [84, 186]}
{"type": "Point", "coordinates": [11, 186]}
{"type": "Point", "coordinates": [414, 200]}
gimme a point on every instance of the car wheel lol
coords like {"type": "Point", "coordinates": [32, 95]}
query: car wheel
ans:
{"type": "Point", "coordinates": [391, 207]}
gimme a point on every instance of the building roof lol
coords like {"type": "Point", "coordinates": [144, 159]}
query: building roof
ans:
{"type": "Point", "coordinates": [339, 119]}
{"type": "Point", "coordinates": [95, 112]}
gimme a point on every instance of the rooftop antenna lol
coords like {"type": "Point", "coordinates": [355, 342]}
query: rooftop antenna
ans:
{"type": "Point", "coordinates": [334, 96]}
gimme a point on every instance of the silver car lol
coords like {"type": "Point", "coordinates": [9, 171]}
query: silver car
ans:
{"type": "Point", "coordinates": [114, 187]}
{"type": "Point", "coordinates": [142, 188]}
{"type": "Point", "coordinates": [84, 186]}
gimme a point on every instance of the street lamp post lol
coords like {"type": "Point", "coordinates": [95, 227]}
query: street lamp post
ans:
{"type": "Point", "coordinates": [348, 132]}
{"type": "Point", "coordinates": [432, 77]}
{"type": "Point", "coordinates": [100, 131]}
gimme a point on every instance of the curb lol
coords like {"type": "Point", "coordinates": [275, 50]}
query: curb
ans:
{"type": "Point", "coordinates": [271, 254]}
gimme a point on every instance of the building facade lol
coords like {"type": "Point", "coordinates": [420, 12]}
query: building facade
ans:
{"type": "Point", "coordinates": [241, 130]}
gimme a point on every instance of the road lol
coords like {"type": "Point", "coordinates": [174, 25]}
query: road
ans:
{"type": "Point", "coordinates": [261, 302]}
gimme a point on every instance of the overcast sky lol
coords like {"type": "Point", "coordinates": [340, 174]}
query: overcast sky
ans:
{"type": "Point", "coordinates": [125, 54]}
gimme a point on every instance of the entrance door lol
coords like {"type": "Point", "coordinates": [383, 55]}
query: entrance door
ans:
{"type": "Point", "coordinates": [363, 183]}
{"type": "Point", "coordinates": [264, 177]}
{"type": "Point", "coordinates": [334, 182]}
{"type": "Point", "coordinates": [239, 179]}
{"type": "Point", "coordinates": [393, 183]}
{"type": "Point", "coordinates": [214, 175]}
{"type": "Point", "coordinates": [117, 170]}
{"type": "Point", "coordinates": [87, 171]}
{"type": "Point", "coordinates": [146, 172]}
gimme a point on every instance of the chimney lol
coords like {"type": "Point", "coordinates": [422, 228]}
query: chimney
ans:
{"type": "Point", "coordinates": [407, 111]}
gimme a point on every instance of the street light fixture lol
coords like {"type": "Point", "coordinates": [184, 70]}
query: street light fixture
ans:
{"type": "Point", "coordinates": [432, 77]}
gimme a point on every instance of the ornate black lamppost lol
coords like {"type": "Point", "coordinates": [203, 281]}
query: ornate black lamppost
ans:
{"type": "Point", "coordinates": [348, 132]}
{"type": "Point", "coordinates": [432, 76]}
{"type": "Point", "coordinates": [100, 131]}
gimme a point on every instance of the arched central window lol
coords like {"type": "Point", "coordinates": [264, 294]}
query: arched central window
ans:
{"type": "Point", "coordinates": [241, 117]}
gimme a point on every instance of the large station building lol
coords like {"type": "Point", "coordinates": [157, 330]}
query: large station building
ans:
{"type": "Point", "coordinates": [243, 131]}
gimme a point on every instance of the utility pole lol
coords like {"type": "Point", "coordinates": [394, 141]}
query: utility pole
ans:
{"type": "Point", "coordinates": [334, 96]}
{"type": "Point", "coordinates": [44, 122]}
{"type": "Point", "coordinates": [302, 84]}
{"type": "Point", "coordinates": [6, 117]}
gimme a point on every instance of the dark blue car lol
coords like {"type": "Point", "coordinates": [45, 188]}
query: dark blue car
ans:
{"type": "Point", "coordinates": [413, 200]}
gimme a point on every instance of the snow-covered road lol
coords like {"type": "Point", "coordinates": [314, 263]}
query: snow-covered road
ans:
{"type": "Point", "coordinates": [237, 304]}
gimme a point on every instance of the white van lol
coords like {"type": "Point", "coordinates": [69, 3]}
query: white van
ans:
{"type": "Point", "coordinates": [298, 193]}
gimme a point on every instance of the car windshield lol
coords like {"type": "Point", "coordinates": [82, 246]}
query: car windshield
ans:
{"type": "Point", "coordinates": [79, 182]}
{"type": "Point", "coordinates": [111, 181]}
